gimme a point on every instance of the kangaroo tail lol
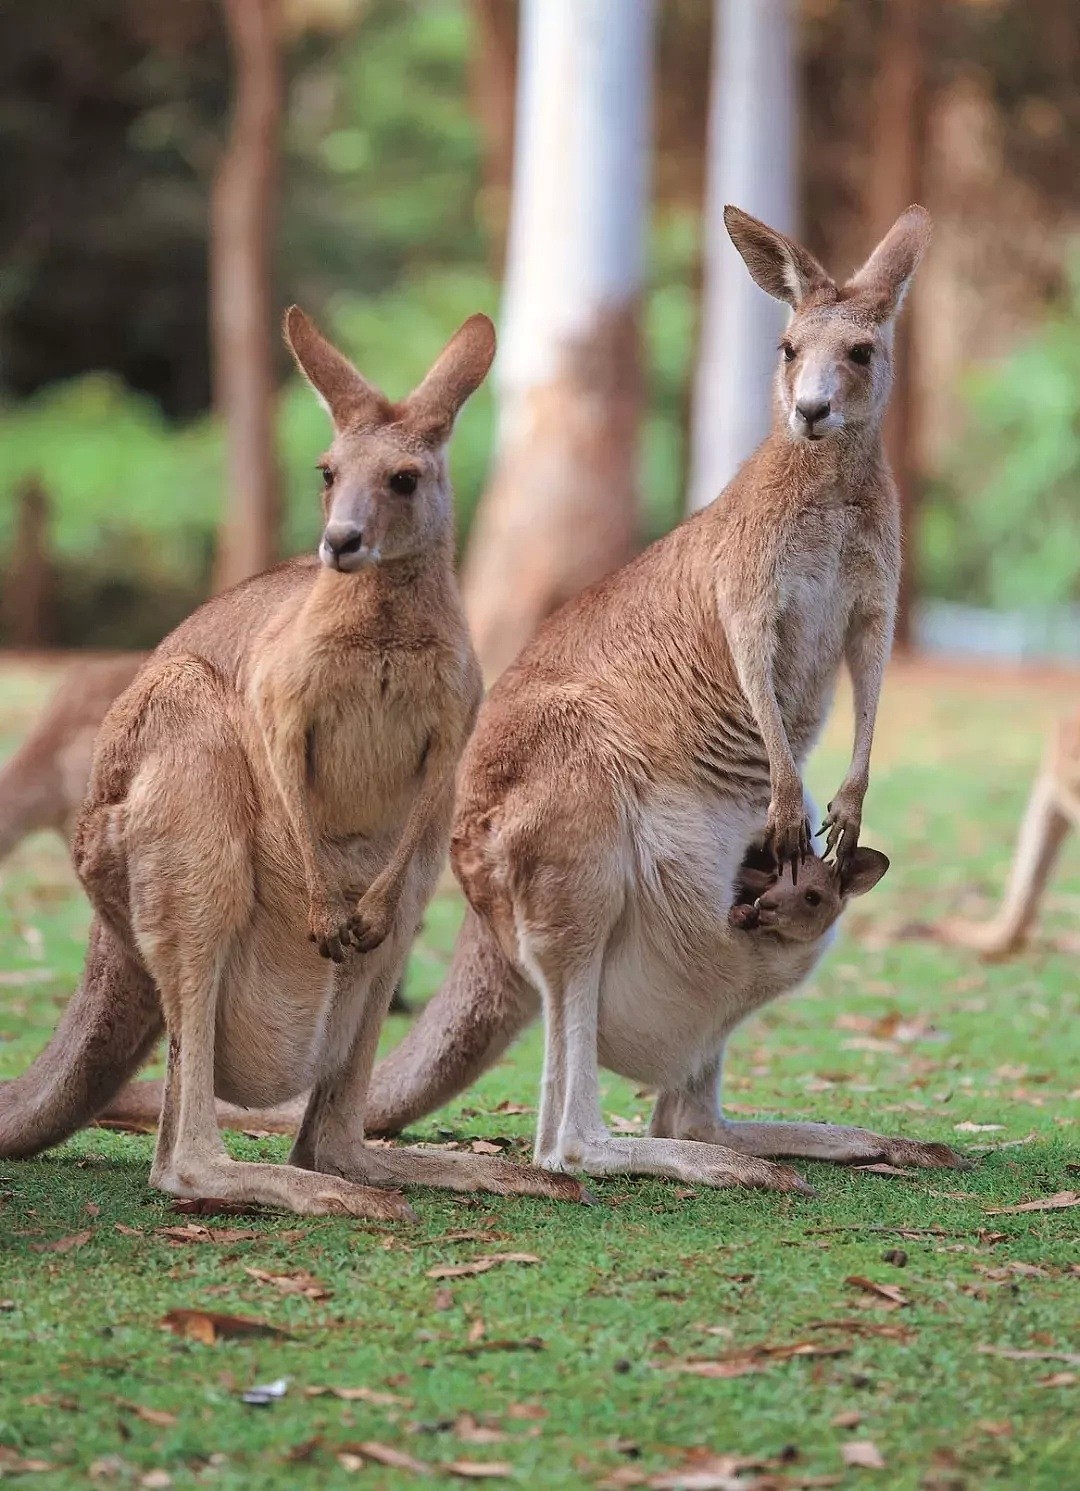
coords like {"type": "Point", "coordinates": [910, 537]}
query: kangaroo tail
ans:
{"type": "Point", "coordinates": [28, 791]}
{"type": "Point", "coordinates": [107, 1031]}
{"type": "Point", "coordinates": [482, 1006]}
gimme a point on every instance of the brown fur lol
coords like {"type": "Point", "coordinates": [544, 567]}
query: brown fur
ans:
{"type": "Point", "coordinates": [280, 774]}
{"type": "Point", "coordinates": [655, 726]}
{"type": "Point", "coordinates": [43, 784]}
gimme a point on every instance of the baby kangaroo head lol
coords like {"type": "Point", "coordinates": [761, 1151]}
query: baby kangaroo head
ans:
{"type": "Point", "coordinates": [386, 494]}
{"type": "Point", "coordinates": [835, 367]}
{"type": "Point", "coordinates": [805, 911]}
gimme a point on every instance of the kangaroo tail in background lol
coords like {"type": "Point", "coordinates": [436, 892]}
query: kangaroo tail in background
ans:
{"type": "Point", "coordinates": [107, 1031]}
{"type": "Point", "coordinates": [481, 1007]}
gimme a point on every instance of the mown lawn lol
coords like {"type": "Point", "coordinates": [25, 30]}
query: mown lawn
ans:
{"type": "Point", "coordinates": [566, 1371]}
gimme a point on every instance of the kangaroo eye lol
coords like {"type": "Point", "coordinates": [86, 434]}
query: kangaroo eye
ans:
{"type": "Point", "coordinates": [812, 898]}
{"type": "Point", "coordinates": [788, 350]}
{"type": "Point", "coordinates": [862, 353]}
{"type": "Point", "coordinates": [327, 475]}
{"type": "Point", "coordinates": [404, 483]}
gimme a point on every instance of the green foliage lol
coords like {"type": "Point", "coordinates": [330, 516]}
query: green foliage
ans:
{"type": "Point", "coordinates": [1002, 527]}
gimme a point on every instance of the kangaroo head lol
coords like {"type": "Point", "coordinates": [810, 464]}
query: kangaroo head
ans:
{"type": "Point", "coordinates": [386, 493]}
{"type": "Point", "coordinates": [835, 367]}
{"type": "Point", "coordinates": [805, 911]}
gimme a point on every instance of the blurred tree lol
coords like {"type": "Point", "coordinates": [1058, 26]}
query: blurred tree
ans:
{"type": "Point", "coordinates": [895, 181]}
{"type": "Point", "coordinates": [26, 599]}
{"type": "Point", "coordinates": [243, 224]}
{"type": "Point", "coordinates": [561, 507]}
{"type": "Point", "coordinates": [493, 80]}
{"type": "Point", "coordinates": [751, 164]}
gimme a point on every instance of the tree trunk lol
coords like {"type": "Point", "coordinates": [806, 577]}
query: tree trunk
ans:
{"type": "Point", "coordinates": [243, 210]}
{"type": "Point", "coordinates": [752, 115]}
{"type": "Point", "coordinates": [493, 84]}
{"type": "Point", "coordinates": [895, 182]}
{"type": "Point", "coordinates": [560, 510]}
{"type": "Point", "coordinates": [27, 592]}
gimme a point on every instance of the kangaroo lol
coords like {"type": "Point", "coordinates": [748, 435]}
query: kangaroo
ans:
{"type": "Point", "coordinates": [268, 810]}
{"type": "Point", "coordinates": [655, 727]}
{"type": "Point", "coordinates": [44, 782]}
{"type": "Point", "coordinates": [1053, 809]}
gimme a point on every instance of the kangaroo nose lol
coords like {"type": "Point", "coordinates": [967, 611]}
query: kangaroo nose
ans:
{"type": "Point", "coordinates": [812, 410]}
{"type": "Point", "coordinates": [341, 545]}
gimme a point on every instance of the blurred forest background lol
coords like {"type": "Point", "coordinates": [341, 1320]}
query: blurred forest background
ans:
{"type": "Point", "coordinates": [174, 175]}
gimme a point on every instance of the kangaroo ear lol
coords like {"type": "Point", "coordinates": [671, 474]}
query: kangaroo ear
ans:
{"type": "Point", "coordinates": [782, 267]}
{"type": "Point", "coordinates": [348, 398]}
{"type": "Point", "coordinates": [458, 371]}
{"type": "Point", "coordinates": [883, 280]}
{"type": "Point", "coordinates": [862, 871]}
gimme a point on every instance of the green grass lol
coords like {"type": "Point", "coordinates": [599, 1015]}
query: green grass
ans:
{"type": "Point", "coordinates": [653, 1274]}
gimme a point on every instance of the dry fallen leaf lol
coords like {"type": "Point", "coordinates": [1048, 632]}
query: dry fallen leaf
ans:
{"type": "Point", "coordinates": [480, 1470]}
{"type": "Point", "coordinates": [1070, 1358]}
{"type": "Point", "coordinates": [1058, 1379]}
{"type": "Point", "coordinates": [507, 1107]}
{"type": "Point", "coordinates": [12, 1463]}
{"type": "Point", "coordinates": [1057, 1202]}
{"type": "Point", "coordinates": [484, 1146]}
{"type": "Point", "coordinates": [156, 1416]}
{"type": "Point", "coordinates": [478, 1265]}
{"type": "Point", "coordinates": [349, 1461]}
{"type": "Point", "coordinates": [359, 1395]}
{"type": "Point", "coordinates": [476, 1331]}
{"type": "Point", "coordinates": [850, 1418]}
{"type": "Point", "coordinates": [196, 1232]}
{"type": "Point", "coordinates": [978, 1128]}
{"type": "Point", "coordinates": [751, 1359]}
{"type": "Point", "coordinates": [891, 1296]}
{"type": "Point", "coordinates": [470, 1431]}
{"type": "Point", "coordinates": [300, 1282]}
{"type": "Point", "coordinates": [526, 1411]}
{"type": "Point", "coordinates": [63, 1244]}
{"type": "Point", "coordinates": [862, 1453]}
{"type": "Point", "coordinates": [209, 1326]}
{"type": "Point", "coordinates": [385, 1454]}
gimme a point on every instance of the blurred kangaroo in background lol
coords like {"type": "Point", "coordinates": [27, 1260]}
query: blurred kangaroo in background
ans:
{"type": "Point", "coordinates": [655, 727]}
{"type": "Point", "coordinates": [1052, 810]}
{"type": "Point", "coordinates": [268, 812]}
{"type": "Point", "coordinates": [44, 782]}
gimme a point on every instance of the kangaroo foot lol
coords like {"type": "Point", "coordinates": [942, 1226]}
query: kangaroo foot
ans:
{"type": "Point", "coordinates": [675, 1159]}
{"type": "Point", "coordinates": [454, 1171]}
{"type": "Point", "coordinates": [307, 1192]}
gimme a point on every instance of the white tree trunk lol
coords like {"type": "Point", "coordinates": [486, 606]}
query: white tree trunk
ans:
{"type": "Point", "coordinates": [560, 510]}
{"type": "Point", "coordinates": [751, 164]}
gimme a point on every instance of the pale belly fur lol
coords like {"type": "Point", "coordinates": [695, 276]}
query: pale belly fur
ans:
{"type": "Point", "coordinates": [677, 978]}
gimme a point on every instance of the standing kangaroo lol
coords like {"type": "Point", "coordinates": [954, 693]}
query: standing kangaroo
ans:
{"type": "Point", "coordinates": [653, 728]}
{"type": "Point", "coordinates": [268, 811]}
{"type": "Point", "coordinates": [1053, 809]}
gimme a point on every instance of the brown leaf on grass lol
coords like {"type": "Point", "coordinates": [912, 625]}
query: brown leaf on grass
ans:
{"type": "Point", "coordinates": [300, 1454]}
{"type": "Point", "coordinates": [300, 1282]}
{"type": "Point", "coordinates": [850, 1418]}
{"type": "Point", "coordinates": [443, 1299]}
{"type": "Point", "coordinates": [64, 1244]}
{"type": "Point", "coordinates": [1059, 1201]}
{"type": "Point", "coordinates": [865, 1328]}
{"type": "Point", "coordinates": [209, 1326]}
{"type": "Point", "coordinates": [1058, 1379]}
{"type": "Point", "coordinates": [196, 1232]}
{"type": "Point", "coordinates": [214, 1206]}
{"type": "Point", "coordinates": [360, 1395]}
{"type": "Point", "coordinates": [526, 1412]}
{"type": "Point", "coordinates": [892, 1297]}
{"type": "Point", "coordinates": [1070, 1358]}
{"type": "Point", "coordinates": [525, 1343]}
{"type": "Point", "coordinates": [751, 1359]}
{"type": "Point", "coordinates": [127, 1231]}
{"type": "Point", "coordinates": [350, 1461]}
{"type": "Point", "coordinates": [480, 1470]}
{"type": "Point", "coordinates": [466, 1234]}
{"type": "Point", "coordinates": [385, 1454]}
{"type": "Point", "coordinates": [485, 1146]}
{"type": "Point", "coordinates": [12, 1463]}
{"type": "Point", "coordinates": [883, 1169]}
{"type": "Point", "coordinates": [478, 1265]}
{"type": "Point", "coordinates": [156, 1416]}
{"type": "Point", "coordinates": [508, 1107]}
{"type": "Point", "coordinates": [476, 1330]}
{"type": "Point", "coordinates": [92, 1209]}
{"type": "Point", "coordinates": [862, 1453]}
{"type": "Point", "coordinates": [470, 1431]}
